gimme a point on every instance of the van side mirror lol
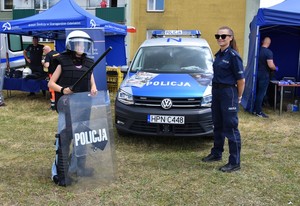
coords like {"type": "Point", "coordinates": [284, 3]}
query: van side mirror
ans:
{"type": "Point", "coordinates": [124, 68]}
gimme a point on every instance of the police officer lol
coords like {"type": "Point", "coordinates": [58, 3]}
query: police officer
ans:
{"type": "Point", "coordinates": [34, 59]}
{"type": "Point", "coordinates": [227, 88]}
{"type": "Point", "coordinates": [72, 65]}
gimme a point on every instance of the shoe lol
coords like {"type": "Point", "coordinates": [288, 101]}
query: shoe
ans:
{"type": "Point", "coordinates": [2, 104]}
{"type": "Point", "coordinates": [211, 158]}
{"type": "Point", "coordinates": [52, 108]}
{"type": "Point", "coordinates": [263, 115]}
{"type": "Point", "coordinates": [66, 181]}
{"type": "Point", "coordinates": [230, 168]}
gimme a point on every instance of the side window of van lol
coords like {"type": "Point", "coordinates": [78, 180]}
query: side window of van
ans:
{"type": "Point", "coordinates": [15, 42]}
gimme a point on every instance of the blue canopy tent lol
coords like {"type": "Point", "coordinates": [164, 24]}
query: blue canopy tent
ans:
{"type": "Point", "coordinates": [282, 24]}
{"type": "Point", "coordinates": [51, 24]}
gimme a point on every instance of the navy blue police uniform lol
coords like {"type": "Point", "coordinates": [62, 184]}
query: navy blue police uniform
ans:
{"type": "Point", "coordinates": [228, 68]}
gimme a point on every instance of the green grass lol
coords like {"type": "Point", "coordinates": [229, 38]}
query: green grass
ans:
{"type": "Point", "coordinates": [151, 171]}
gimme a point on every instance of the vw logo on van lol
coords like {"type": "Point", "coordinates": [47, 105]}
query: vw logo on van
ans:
{"type": "Point", "coordinates": [166, 103]}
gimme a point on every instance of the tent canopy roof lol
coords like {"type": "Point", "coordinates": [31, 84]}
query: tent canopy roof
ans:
{"type": "Point", "coordinates": [53, 22]}
{"type": "Point", "coordinates": [282, 24]}
{"type": "Point", "coordinates": [285, 13]}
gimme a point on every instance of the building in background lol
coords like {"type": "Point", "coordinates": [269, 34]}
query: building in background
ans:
{"type": "Point", "coordinates": [206, 16]}
{"type": "Point", "coordinates": [149, 15]}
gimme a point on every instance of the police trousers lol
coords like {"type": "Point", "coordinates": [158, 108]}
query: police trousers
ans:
{"type": "Point", "coordinates": [225, 119]}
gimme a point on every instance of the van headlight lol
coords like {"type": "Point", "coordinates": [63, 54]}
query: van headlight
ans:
{"type": "Point", "coordinates": [207, 97]}
{"type": "Point", "coordinates": [206, 101]}
{"type": "Point", "coordinates": [125, 97]}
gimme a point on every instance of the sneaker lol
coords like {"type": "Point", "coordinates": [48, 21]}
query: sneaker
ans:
{"type": "Point", "coordinates": [263, 115]}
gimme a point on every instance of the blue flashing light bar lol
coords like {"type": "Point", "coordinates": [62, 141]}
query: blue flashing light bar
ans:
{"type": "Point", "coordinates": [163, 33]}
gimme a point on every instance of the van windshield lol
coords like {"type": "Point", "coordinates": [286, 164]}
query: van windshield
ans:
{"type": "Point", "coordinates": [173, 59]}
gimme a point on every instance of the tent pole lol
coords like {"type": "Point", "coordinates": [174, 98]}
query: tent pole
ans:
{"type": "Point", "coordinates": [298, 79]}
{"type": "Point", "coordinates": [254, 70]}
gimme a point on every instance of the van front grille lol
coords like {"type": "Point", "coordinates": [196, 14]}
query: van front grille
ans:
{"type": "Point", "coordinates": [177, 102]}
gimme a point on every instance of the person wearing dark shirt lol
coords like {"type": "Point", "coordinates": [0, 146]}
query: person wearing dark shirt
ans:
{"type": "Point", "coordinates": [265, 66]}
{"type": "Point", "coordinates": [33, 54]}
{"type": "Point", "coordinates": [50, 62]}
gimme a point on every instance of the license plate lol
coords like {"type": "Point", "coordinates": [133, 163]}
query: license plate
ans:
{"type": "Point", "coordinates": [164, 119]}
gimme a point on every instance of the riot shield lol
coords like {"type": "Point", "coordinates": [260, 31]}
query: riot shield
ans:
{"type": "Point", "coordinates": [86, 139]}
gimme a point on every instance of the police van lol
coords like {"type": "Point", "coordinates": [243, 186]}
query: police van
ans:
{"type": "Point", "coordinates": [11, 51]}
{"type": "Point", "coordinates": [167, 88]}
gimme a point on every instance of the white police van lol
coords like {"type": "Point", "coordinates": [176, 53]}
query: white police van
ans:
{"type": "Point", "coordinates": [167, 88]}
{"type": "Point", "coordinates": [11, 51]}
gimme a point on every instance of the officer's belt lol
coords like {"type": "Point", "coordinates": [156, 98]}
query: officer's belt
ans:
{"type": "Point", "coordinates": [221, 86]}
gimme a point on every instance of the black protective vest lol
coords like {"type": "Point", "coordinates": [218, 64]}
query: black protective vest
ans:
{"type": "Point", "coordinates": [70, 74]}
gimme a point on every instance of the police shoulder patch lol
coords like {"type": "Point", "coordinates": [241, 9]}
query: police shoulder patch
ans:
{"type": "Point", "coordinates": [234, 53]}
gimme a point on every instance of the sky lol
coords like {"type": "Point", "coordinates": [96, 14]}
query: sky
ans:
{"type": "Point", "coordinates": [268, 3]}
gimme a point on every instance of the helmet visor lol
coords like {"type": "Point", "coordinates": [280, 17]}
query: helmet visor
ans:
{"type": "Point", "coordinates": [80, 45]}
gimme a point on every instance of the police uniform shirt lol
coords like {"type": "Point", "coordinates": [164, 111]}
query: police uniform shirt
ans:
{"type": "Point", "coordinates": [36, 54]}
{"type": "Point", "coordinates": [228, 67]}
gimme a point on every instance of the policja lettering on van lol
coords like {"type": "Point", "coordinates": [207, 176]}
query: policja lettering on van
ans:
{"type": "Point", "coordinates": [90, 137]}
{"type": "Point", "coordinates": [169, 83]}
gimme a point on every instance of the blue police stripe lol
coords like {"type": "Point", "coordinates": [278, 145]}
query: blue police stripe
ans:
{"type": "Point", "coordinates": [12, 59]}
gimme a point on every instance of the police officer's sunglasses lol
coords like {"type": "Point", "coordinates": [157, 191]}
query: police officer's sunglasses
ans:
{"type": "Point", "coordinates": [223, 36]}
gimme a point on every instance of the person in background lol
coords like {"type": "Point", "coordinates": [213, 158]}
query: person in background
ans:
{"type": "Point", "coordinates": [50, 64]}
{"type": "Point", "coordinates": [33, 54]}
{"type": "Point", "coordinates": [103, 4]}
{"type": "Point", "coordinates": [227, 89]}
{"type": "Point", "coordinates": [265, 67]}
